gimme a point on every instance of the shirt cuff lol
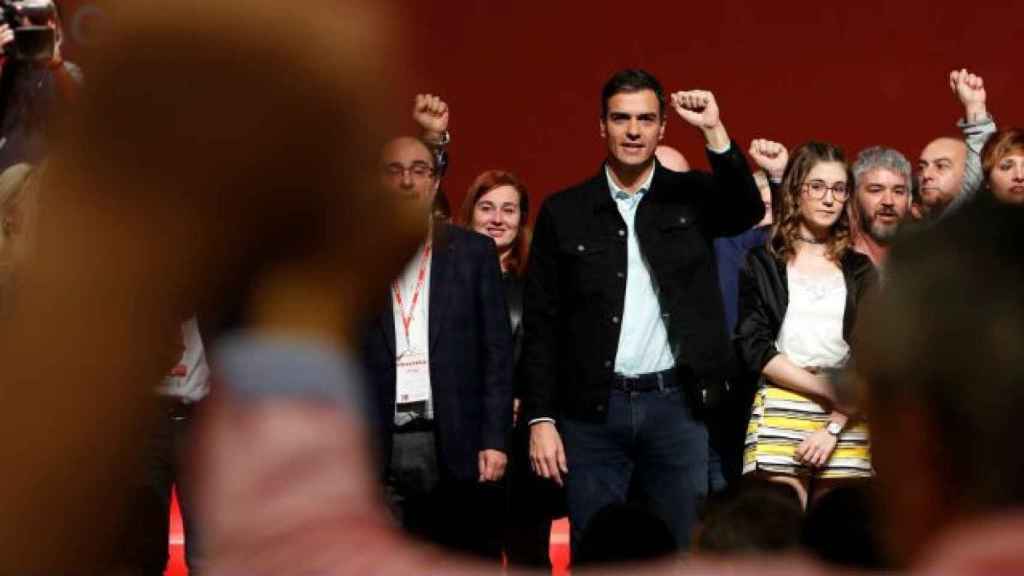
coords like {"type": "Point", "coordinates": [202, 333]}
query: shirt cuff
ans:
{"type": "Point", "coordinates": [989, 121]}
{"type": "Point", "coordinates": [722, 151]}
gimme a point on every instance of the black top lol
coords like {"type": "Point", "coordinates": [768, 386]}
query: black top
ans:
{"type": "Point", "coordinates": [514, 296]}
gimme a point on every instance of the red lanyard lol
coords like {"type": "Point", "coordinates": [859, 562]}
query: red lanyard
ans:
{"type": "Point", "coordinates": [420, 279]}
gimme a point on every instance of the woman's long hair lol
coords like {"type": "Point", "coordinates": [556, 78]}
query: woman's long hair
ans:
{"type": "Point", "coordinates": [786, 229]}
{"type": "Point", "coordinates": [484, 183]}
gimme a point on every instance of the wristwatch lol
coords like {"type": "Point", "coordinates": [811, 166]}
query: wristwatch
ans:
{"type": "Point", "coordinates": [834, 428]}
{"type": "Point", "coordinates": [445, 139]}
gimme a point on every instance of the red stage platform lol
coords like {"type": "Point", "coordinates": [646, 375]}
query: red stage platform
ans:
{"type": "Point", "coordinates": [559, 545]}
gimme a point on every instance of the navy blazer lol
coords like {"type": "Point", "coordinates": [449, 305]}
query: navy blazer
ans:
{"type": "Point", "coordinates": [470, 354]}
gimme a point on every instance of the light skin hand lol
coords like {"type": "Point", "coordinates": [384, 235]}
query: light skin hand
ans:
{"type": "Point", "coordinates": [491, 464]}
{"type": "Point", "coordinates": [547, 454]}
{"type": "Point", "coordinates": [816, 449]}
{"type": "Point", "coordinates": [970, 90]}
{"type": "Point", "coordinates": [431, 114]}
{"type": "Point", "coordinates": [700, 109]}
{"type": "Point", "coordinates": [6, 36]}
{"type": "Point", "coordinates": [770, 156]}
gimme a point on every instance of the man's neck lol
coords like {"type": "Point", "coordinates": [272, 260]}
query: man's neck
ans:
{"type": "Point", "coordinates": [872, 248]}
{"type": "Point", "coordinates": [629, 178]}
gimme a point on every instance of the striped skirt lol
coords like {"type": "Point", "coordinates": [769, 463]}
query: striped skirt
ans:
{"type": "Point", "coordinates": [779, 422]}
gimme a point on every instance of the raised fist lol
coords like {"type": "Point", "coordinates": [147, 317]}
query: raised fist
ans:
{"type": "Point", "coordinates": [698, 108]}
{"type": "Point", "coordinates": [770, 156]}
{"type": "Point", "coordinates": [431, 113]}
{"type": "Point", "coordinates": [970, 90]}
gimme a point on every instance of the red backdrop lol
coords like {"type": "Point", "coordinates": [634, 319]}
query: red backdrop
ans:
{"type": "Point", "coordinates": [523, 78]}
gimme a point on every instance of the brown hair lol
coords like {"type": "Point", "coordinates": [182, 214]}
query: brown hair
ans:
{"type": "Point", "coordinates": [786, 229]}
{"type": "Point", "coordinates": [484, 183]}
{"type": "Point", "coordinates": [999, 146]}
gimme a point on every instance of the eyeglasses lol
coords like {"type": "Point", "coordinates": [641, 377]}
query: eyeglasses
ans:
{"type": "Point", "coordinates": [418, 171]}
{"type": "Point", "coordinates": [816, 189]}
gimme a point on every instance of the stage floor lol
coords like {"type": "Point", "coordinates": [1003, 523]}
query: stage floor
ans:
{"type": "Point", "coordinates": [559, 545]}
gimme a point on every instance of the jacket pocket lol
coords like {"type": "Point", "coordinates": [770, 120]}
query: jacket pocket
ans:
{"type": "Point", "coordinates": [587, 263]}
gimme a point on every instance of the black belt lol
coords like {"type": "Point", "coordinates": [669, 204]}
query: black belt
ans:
{"type": "Point", "coordinates": [646, 382]}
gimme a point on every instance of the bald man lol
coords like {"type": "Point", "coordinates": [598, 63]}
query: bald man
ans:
{"type": "Point", "coordinates": [949, 169]}
{"type": "Point", "coordinates": [439, 361]}
{"type": "Point", "coordinates": [671, 158]}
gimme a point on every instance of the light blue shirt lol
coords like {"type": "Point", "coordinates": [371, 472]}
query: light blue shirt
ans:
{"type": "Point", "coordinates": [643, 340]}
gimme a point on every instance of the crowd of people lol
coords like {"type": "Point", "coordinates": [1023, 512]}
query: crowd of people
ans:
{"type": "Point", "coordinates": [687, 364]}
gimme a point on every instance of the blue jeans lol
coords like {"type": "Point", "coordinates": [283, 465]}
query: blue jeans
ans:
{"type": "Point", "coordinates": [649, 438]}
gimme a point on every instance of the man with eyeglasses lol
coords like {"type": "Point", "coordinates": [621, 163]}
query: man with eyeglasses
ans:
{"type": "Point", "coordinates": [882, 181]}
{"type": "Point", "coordinates": [439, 362]}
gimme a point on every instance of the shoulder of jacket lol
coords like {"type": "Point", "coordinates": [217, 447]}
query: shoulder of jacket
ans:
{"type": "Point", "coordinates": [760, 256]}
{"type": "Point", "coordinates": [857, 263]}
{"type": "Point", "coordinates": [465, 236]}
{"type": "Point", "coordinates": [572, 197]}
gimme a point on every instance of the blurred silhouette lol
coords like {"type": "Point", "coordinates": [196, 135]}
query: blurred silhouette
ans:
{"type": "Point", "coordinates": [753, 516]}
{"type": "Point", "coordinates": [939, 353]}
{"type": "Point", "coordinates": [624, 533]}
{"type": "Point", "coordinates": [841, 528]}
{"type": "Point", "coordinates": [191, 172]}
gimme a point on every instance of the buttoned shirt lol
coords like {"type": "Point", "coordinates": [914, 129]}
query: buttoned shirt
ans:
{"type": "Point", "coordinates": [643, 339]}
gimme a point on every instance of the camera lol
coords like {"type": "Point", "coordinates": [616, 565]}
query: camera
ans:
{"type": "Point", "coordinates": [34, 36]}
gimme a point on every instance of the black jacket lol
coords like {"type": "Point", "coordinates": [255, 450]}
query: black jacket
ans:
{"type": "Point", "coordinates": [576, 283]}
{"type": "Point", "coordinates": [470, 354]}
{"type": "Point", "coordinates": [764, 297]}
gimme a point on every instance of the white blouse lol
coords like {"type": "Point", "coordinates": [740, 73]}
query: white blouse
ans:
{"type": "Point", "coordinates": [812, 331]}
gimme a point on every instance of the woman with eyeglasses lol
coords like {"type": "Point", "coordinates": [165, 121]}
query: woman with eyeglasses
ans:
{"type": "Point", "coordinates": [798, 304]}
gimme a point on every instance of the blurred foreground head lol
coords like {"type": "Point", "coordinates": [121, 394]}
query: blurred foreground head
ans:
{"type": "Point", "coordinates": [218, 145]}
{"type": "Point", "coordinates": [234, 136]}
{"type": "Point", "coordinates": [940, 352]}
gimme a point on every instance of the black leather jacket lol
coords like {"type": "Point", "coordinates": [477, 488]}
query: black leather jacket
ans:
{"type": "Point", "coordinates": [764, 297]}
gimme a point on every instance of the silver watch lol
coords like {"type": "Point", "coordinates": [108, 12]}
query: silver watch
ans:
{"type": "Point", "coordinates": [834, 428]}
